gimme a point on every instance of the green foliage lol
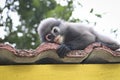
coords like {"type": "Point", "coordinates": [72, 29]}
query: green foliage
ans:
{"type": "Point", "coordinates": [30, 12]}
{"type": "Point", "coordinates": [63, 12]}
{"type": "Point", "coordinates": [91, 11]}
{"type": "Point", "coordinates": [98, 15]}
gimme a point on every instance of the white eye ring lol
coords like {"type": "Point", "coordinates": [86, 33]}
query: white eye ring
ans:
{"type": "Point", "coordinates": [48, 37]}
{"type": "Point", "coordinates": [53, 30]}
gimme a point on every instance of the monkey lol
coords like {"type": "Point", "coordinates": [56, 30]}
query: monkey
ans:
{"type": "Point", "coordinates": [72, 36]}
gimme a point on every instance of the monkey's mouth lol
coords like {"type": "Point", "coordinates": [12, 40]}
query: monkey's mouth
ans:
{"type": "Point", "coordinates": [58, 39]}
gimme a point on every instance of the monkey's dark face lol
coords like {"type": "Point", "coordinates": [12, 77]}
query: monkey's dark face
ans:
{"type": "Point", "coordinates": [54, 35]}
{"type": "Point", "coordinates": [49, 31]}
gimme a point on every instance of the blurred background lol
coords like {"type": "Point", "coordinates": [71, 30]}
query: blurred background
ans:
{"type": "Point", "coordinates": [19, 19]}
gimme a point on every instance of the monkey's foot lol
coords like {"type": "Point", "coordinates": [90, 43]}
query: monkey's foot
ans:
{"type": "Point", "coordinates": [90, 48]}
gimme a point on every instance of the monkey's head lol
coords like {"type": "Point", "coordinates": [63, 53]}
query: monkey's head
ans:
{"type": "Point", "coordinates": [49, 31]}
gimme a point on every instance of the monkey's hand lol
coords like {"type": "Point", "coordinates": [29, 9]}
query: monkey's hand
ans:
{"type": "Point", "coordinates": [63, 50]}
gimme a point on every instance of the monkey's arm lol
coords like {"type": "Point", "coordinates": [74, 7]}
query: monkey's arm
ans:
{"type": "Point", "coordinates": [63, 50]}
{"type": "Point", "coordinates": [76, 44]}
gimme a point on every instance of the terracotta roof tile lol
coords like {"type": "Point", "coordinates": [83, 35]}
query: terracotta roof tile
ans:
{"type": "Point", "coordinates": [94, 53]}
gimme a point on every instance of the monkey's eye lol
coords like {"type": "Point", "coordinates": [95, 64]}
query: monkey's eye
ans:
{"type": "Point", "coordinates": [55, 31]}
{"type": "Point", "coordinates": [49, 37]}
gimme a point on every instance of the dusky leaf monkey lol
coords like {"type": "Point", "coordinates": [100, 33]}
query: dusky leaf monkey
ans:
{"type": "Point", "coordinates": [71, 36]}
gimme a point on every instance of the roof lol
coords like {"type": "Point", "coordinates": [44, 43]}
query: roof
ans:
{"type": "Point", "coordinates": [46, 53]}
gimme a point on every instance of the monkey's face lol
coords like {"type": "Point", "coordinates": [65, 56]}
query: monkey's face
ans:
{"type": "Point", "coordinates": [54, 36]}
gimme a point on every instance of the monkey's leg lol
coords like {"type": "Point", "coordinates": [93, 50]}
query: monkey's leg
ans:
{"type": "Point", "coordinates": [111, 46]}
